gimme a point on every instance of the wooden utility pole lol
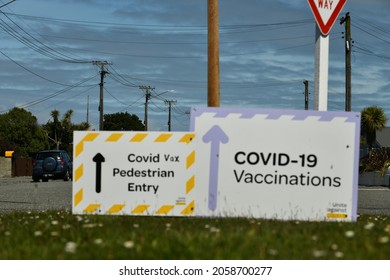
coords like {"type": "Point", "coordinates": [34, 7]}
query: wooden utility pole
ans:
{"type": "Point", "coordinates": [169, 103]}
{"type": "Point", "coordinates": [306, 83]}
{"type": "Point", "coordinates": [348, 67]}
{"type": "Point", "coordinates": [88, 109]}
{"type": "Point", "coordinates": [213, 99]}
{"type": "Point", "coordinates": [103, 73]}
{"type": "Point", "coordinates": [148, 94]}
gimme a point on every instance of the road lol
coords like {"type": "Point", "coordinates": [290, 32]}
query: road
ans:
{"type": "Point", "coordinates": [374, 200]}
{"type": "Point", "coordinates": [21, 194]}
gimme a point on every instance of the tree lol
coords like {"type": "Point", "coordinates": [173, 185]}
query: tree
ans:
{"type": "Point", "coordinates": [373, 119]}
{"type": "Point", "coordinates": [20, 132]}
{"type": "Point", "coordinates": [123, 122]}
{"type": "Point", "coordinates": [60, 132]}
{"type": "Point", "coordinates": [55, 127]}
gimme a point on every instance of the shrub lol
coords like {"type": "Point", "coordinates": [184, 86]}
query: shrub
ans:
{"type": "Point", "coordinates": [377, 160]}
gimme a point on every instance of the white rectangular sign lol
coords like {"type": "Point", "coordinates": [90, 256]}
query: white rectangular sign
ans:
{"type": "Point", "coordinates": [133, 173]}
{"type": "Point", "coordinates": [277, 164]}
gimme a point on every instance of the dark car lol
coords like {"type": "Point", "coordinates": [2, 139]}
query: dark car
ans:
{"type": "Point", "coordinates": [52, 164]}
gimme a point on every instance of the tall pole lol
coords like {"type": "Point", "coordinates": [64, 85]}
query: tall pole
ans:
{"type": "Point", "coordinates": [213, 99]}
{"type": "Point", "coordinates": [306, 83]}
{"type": "Point", "coordinates": [321, 71]}
{"type": "Point", "coordinates": [88, 109]}
{"type": "Point", "coordinates": [169, 103]}
{"type": "Point", "coordinates": [147, 98]}
{"type": "Point", "coordinates": [348, 67]}
{"type": "Point", "coordinates": [101, 101]}
{"type": "Point", "coordinates": [103, 73]}
{"type": "Point", "coordinates": [148, 93]}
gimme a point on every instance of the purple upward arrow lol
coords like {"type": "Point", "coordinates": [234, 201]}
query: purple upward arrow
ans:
{"type": "Point", "coordinates": [215, 136]}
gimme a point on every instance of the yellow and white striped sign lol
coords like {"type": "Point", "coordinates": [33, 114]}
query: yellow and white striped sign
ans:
{"type": "Point", "coordinates": [134, 173]}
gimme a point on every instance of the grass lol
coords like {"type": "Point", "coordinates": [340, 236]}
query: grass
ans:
{"type": "Point", "coordinates": [61, 235]}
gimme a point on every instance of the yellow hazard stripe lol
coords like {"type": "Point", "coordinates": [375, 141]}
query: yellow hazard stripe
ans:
{"type": "Point", "coordinates": [190, 160]}
{"type": "Point", "coordinates": [116, 208]}
{"type": "Point", "coordinates": [164, 137]}
{"type": "Point", "coordinates": [336, 216]}
{"type": "Point", "coordinates": [190, 184]}
{"type": "Point", "coordinates": [114, 137]}
{"type": "Point", "coordinates": [139, 137]}
{"type": "Point", "coordinates": [187, 138]}
{"type": "Point", "coordinates": [88, 138]}
{"type": "Point", "coordinates": [140, 209]}
{"type": "Point", "coordinates": [78, 197]}
{"type": "Point", "coordinates": [79, 172]}
{"type": "Point", "coordinates": [163, 210]}
{"type": "Point", "coordinates": [92, 208]}
{"type": "Point", "coordinates": [189, 209]}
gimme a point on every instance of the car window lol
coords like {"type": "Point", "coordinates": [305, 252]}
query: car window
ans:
{"type": "Point", "coordinates": [42, 156]}
{"type": "Point", "coordinates": [66, 156]}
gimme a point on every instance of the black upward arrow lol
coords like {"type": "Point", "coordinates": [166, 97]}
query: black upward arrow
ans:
{"type": "Point", "coordinates": [99, 158]}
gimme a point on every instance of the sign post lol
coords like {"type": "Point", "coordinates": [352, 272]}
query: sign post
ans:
{"type": "Point", "coordinates": [325, 13]}
{"type": "Point", "coordinates": [321, 72]}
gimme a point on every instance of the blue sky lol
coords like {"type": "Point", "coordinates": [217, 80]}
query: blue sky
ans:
{"type": "Point", "coordinates": [266, 52]}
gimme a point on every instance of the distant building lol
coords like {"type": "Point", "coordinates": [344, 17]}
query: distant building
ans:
{"type": "Point", "coordinates": [383, 137]}
{"type": "Point", "coordinates": [382, 140]}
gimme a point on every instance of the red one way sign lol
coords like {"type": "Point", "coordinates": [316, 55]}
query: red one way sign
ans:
{"type": "Point", "coordinates": [326, 13]}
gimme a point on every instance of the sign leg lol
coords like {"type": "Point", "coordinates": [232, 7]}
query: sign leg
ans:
{"type": "Point", "coordinates": [321, 71]}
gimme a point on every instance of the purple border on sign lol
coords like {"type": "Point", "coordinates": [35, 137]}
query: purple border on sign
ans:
{"type": "Point", "coordinates": [298, 115]}
{"type": "Point", "coordinates": [273, 114]}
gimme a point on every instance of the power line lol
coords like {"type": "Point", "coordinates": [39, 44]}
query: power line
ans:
{"type": "Point", "coordinates": [223, 42]}
{"type": "Point", "coordinates": [121, 78]}
{"type": "Point", "coordinates": [119, 101]}
{"type": "Point", "coordinates": [179, 110]}
{"type": "Point", "coordinates": [45, 98]}
{"type": "Point", "coordinates": [32, 72]}
{"type": "Point", "coordinates": [48, 51]}
{"type": "Point", "coordinates": [70, 97]}
{"type": "Point", "coordinates": [132, 104]}
{"type": "Point", "coordinates": [371, 33]}
{"type": "Point", "coordinates": [366, 51]}
{"type": "Point", "coordinates": [7, 3]}
{"type": "Point", "coordinates": [24, 37]}
{"type": "Point", "coordinates": [374, 27]}
{"type": "Point", "coordinates": [193, 56]}
{"type": "Point", "coordinates": [159, 27]}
